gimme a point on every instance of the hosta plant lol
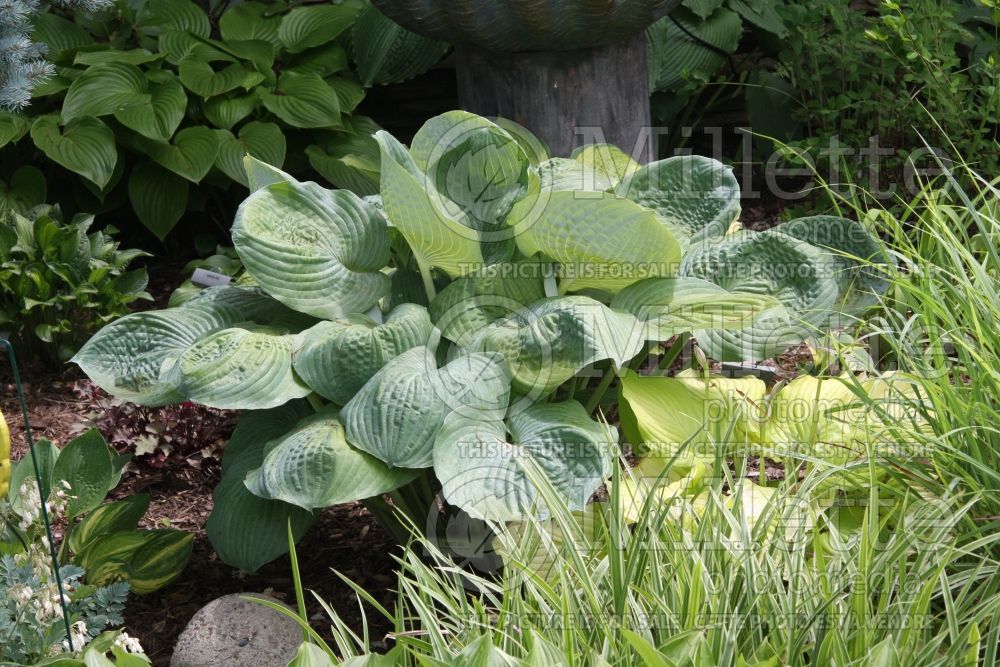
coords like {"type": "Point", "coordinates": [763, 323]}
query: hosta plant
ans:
{"type": "Point", "coordinates": [440, 335]}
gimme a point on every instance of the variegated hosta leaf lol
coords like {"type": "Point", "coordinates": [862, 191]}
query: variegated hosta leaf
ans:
{"type": "Point", "coordinates": [414, 207]}
{"type": "Point", "coordinates": [669, 306]}
{"type": "Point", "coordinates": [608, 160]}
{"type": "Point", "coordinates": [552, 340]}
{"type": "Point", "coordinates": [238, 369]}
{"type": "Point", "coordinates": [315, 250]}
{"type": "Point", "coordinates": [336, 358]}
{"type": "Point", "coordinates": [397, 413]}
{"type": "Point", "coordinates": [859, 257]}
{"type": "Point", "coordinates": [484, 473]}
{"type": "Point", "coordinates": [560, 174]}
{"type": "Point", "coordinates": [313, 466]}
{"type": "Point", "coordinates": [706, 416]}
{"type": "Point", "coordinates": [694, 194]}
{"type": "Point", "coordinates": [245, 530]}
{"type": "Point", "coordinates": [602, 242]}
{"type": "Point", "coordinates": [125, 358]}
{"type": "Point", "coordinates": [466, 306]}
{"type": "Point", "coordinates": [799, 275]}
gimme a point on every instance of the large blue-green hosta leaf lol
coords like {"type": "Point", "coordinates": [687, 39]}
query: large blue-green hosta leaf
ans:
{"type": "Point", "coordinates": [126, 357]}
{"type": "Point", "coordinates": [484, 472]}
{"type": "Point", "coordinates": [601, 242]}
{"type": "Point", "coordinates": [696, 195]}
{"type": "Point", "coordinates": [313, 466]}
{"type": "Point", "coordinates": [553, 339]}
{"type": "Point", "coordinates": [397, 413]}
{"type": "Point", "coordinates": [336, 358]}
{"type": "Point", "coordinates": [315, 250]}
{"type": "Point", "coordinates": [801, 276]}
{"type": "Point", "coordinates": [248, 531]}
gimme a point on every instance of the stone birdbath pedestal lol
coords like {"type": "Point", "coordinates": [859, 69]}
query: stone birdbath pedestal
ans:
{"type": "Point", "coordinates": [571, 71]}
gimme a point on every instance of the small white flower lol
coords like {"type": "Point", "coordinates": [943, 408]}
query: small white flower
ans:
{"type": "Point", "coordinates": [128, 644]}
{"type": "Point", "coordinates": [78, 635]}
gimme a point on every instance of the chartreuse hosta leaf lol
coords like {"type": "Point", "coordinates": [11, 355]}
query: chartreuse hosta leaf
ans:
{"type": "Point", "coordinates": [315, 250]}
{"type": "Point", "coordinates": [553, 339]}
{"type": "Point", "coordinates": [689, 417]}
{"type": "Point", "coordinates": [238, 369]}
{"type": "Point", "coordinates": [466, 306]}
{"type": "Point", "coordinates": [125, 358]}
{"type": "Point", "coordinates": [482, 470]}
{"type": "Point", "coordinates": [437, 238]}
{"type": "Point", "coordinates": [670, 306]}
{"type": "Point", "coordinates": [801, 276]}
{"type": "Point", "coordinates": [608, 160]}
{"type": "Point", "coordinates": [602, 242]}
{"type": "Point", "coordinates": [336, 358]}
{"type": "Point", "coordinates": [248, 531]}
{"type": "Point", "coordinates": [561, 174]}
{"type": "Point", "coordinates": [696, 195]}
{"type": "Point", "coordinates": [313, 466]}
{"type": "Point", "coordinates": [397, 413]}
{"type": "Point", "coordinates": [858, 256]}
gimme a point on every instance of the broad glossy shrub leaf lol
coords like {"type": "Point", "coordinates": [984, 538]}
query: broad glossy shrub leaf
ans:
{"type": "Point", "coordinates": [313, 466]}
{"type": "Point", "coordinates": [417, 210]}
{"type": "Point", "coordinates": [801, 276]}
{"type": "Point", "coordinates": [482, 470]}
{"type": "Point", "coordinates": [87, 465]}
{"type": "Point", "coordinates": [349, 161]}
{"type": "Point", "coordinates": [673, 55]}
{"type": "Point", "coordinates": [156, 112]}
{"type": "Point", "coordinates": [397, 413]}
{"type": "Point", "coordinates": [190, 153]}
{"type": "Point", "coordinates": [238, 369]}
{"type": "Point", "coordinates": [386, 52]}
{"type": "Point", "coordinates": [336, 358]}
{"type": "Point", "coordinates": [102, 90]}
{"type": "Point", "coordinates": [315, 250]}
{"type": "Point", "coordinates": [85, 146]}
{"type": "Point", "coordinates": [225, 111]}
{"type": "Point", "coordinates": [305, 27]}
{"type": "Point", "coordinates": [553, 339]}
{"type": "Point", "coordinates": [248, 531]}
{"type": "Point", "coordinates": [697, 195]}
{"type": "Point", "coordinates": [601, 241]}
{"type": "Point", "coordinates": [251, 20]}
{"type": "Point", "coordinates": [202, 79]}
{"type": "Point", "coordinates": [670, 306]}
{"type": "Point", "coordinates": [160, 16]}
{"type": "Point", "coordinates": [158, 197]}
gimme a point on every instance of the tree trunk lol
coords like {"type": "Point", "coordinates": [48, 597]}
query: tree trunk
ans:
{"type": "Point", "coordinates": [567, 98]}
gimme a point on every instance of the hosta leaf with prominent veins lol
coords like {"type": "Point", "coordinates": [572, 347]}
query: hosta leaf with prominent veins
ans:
{"type": "Point", "coordinates": [602, 242]}
{"type": "Point", "coordinates": [397, 413]}
{"type": "Point", "coordinates": [606, 159]}
{"type": "Point", "coordinates": [697, 195]}
{"type": "Point", "coordinates": [801, 276]}
{"type": "Point", "coordinates": [560, 174]}
{"type": "Point", "coordinates": [314, 466]}
{"type": "Point", "coordinates": [239, 369]}
{"type": "Point", "coordinates": [125, 357]}
{"type": "Point", "coordinates": [417, 210]}
{"type": "Point", "coordinates": [483, 472]}
{"type": "Point", "coordinates": [669, 306]}
{"type": "Point", "coordinates": [552, 340]}
{"type": "Point", "coordinates": [336, 358]}
{"type": "Point", "coordinates": [315, 250]}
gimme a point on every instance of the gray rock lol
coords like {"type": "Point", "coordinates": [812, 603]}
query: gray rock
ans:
{"type": "Point", "coordinates": [231, 631]}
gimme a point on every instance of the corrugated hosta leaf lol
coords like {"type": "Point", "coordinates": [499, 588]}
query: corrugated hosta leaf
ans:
{"type": "Point", "coordinates": [125, 357]}
{"type": "Point", "coordinates": [417, 210]}
{"type": "Point", "coordinates": [483, 472]}
{"type": "Point", "coordinates": [467, 305]}
{"type": "Point", "coordinates": [315, 250]}
{"type": "Point", "coordinates": [248, 531]}
{"type": "Point", "coordinates": [674, 55]}
{"type": "Point", "coordinates": [669, 306]}
{"type": "Point", "coordinates": [552, 340]}
{"type": "Point", "coordinates": [859, 256]}
{"type": "Point", "coordinates": [563, 174]}
{"type": "Point", "coordinates": [602, 242]}
{"type": "Point", "coordinates": [697, 195]}
{"type": "Point", "coordinates": [336, 358]}
{"type": "Point", "coordinates": [386, 52]}
{"type": "Point", "coordinates": [397, 413]}
{"type": "Point", "coordinates": [238, 369]}
{"type": "Point", "coordinates": [313, 466]}
{"type": "Point", "coordinates": [801, 276]}
{"type": "Point", "coordinates": [607, 159]}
